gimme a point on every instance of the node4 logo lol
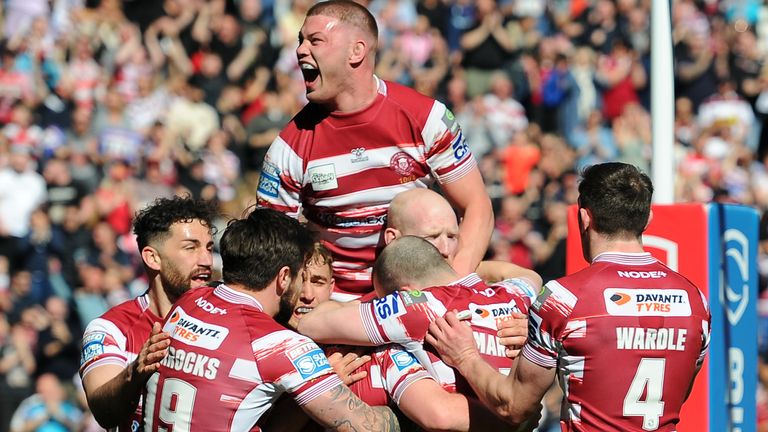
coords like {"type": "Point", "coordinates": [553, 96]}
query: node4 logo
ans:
{"type": "Point", "coordinates": [647, 302]}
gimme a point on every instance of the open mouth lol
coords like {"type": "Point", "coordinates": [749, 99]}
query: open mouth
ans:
{"type": "Point", "coordinates": [310, 73]}
{"type": "Point", "coordinates": [302, 310]}
{"type": "Point", "coordinates": [201, 278]}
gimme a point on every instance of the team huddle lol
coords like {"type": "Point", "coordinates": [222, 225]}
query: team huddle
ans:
{"type": "Point", "coordinates": [379, 310]}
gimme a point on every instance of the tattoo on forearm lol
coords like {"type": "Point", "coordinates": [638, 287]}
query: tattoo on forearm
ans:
{"type": "Point", "coordinates": [359, 416]}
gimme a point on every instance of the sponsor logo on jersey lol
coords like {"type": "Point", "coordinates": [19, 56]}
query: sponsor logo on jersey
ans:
{"type": "Point", "coordinates": [269, 182]}
{"type": "Point", "coordinates": [488, 316]}
{"type": "Point", "coordinates": [646, 302]}
{"type": "Point", "coordinates": [331, 219]}
{"type": "Point", "coordinates": [641, 274]}
{"type": "Point", "coordinates": [541, 298]}
{"type": "Point", "coordinates": [402, 164]}
{"type": "Point", "coordinates": [308, 360]}
{"type": "Point", "coordinates": [391, 306]}
{"type": "Point", "coordinates": [323, 177]}
{"type": "Point", "coordinates": [192, 363]}
{"type": "Point", "coordinates": [209, 307]}
{"type": "Point", "coordinates": [195, 332]}
{"type": "Point", "coordinates": [91, 352]}
{"type": "Point", "coordinates": [358, 155]}
{"type": "Point", "coordinates": [459, 146]}
{"type": "Point", "coordinates": [93, 346]}
{"type": "Point", "coordinates": [403, 360]}
{"type": "Point", "coordinates": [413, 297]}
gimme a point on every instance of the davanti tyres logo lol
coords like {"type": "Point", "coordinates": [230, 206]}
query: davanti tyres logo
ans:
{"type": "Point", "coordinates": [620, 298]}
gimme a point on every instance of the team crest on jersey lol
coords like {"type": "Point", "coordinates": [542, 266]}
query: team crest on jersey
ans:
{"type": "Point", "coordinates": [308, 360]}
{"type": "Point", "coordinates": [647, 302]}
{"type": "Point", "coordinates": [323, 177]}
{"type": "Point", "coordinates": [358, 155]}
{"type": "Point", "coordinates": [192, 331]}
{"type": "Point", "coordinates": [269, 182]}
{"type": "Point", "coordinates": [402, 163]}
{"type": "Point", "coordinates": [403, 360]}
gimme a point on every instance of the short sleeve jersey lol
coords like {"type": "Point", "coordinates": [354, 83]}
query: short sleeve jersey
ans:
{"type": "Point", "coordinates": [342, 171]}
{"type": "Point", "coordinates": [404, 317]}
{"type": "Point", "coordinates": [626, 335]}
{"type": "Point", "coordinates": [227, 354]}
{"type": "Point", "coordinates": [116, 338]}
{"type": "Point", "coordinates": [389, 373]}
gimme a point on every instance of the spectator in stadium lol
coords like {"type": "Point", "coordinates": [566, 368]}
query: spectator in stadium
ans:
{"type": "Point", "coordinates": [354, 172]}
{"type": "Point", "coordinates": [614, 210]}
{"type": "Point", "coordinates": [48, 409]}
{"type": "Point", "coordinates": [263, 259]}
{"type": "Point", "coordinates": [175, 240]}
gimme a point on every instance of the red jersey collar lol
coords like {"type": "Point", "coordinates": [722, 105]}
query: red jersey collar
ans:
{"type": "Point", "coordinates": [228, 294]}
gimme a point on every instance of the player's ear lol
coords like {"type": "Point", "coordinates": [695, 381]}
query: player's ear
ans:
{"type": "Point", "coordinates": [151, 258]}
{"type": "Point", "coordinates": [585, 219]}
{"type": "Point", "coordinates": [650, 218]}
{"type": "Point", "coordinates": [391, 234]}
{"type": "Point", "coordinates": [359, 51]}
{"type": "Point", "coordinates": [283, 280]}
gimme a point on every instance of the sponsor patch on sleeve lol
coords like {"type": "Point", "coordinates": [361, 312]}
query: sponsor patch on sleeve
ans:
{"type": "Point", "coordinates": [269, 182]}
{"type": "Point", "coordinates": [93, 347]}
{"type": "Point", "coordinates": [390, 306]}
{"type": "Point", "coordinates": [403, 360]}
{"type": "Point", "coordinates": [541, 298]}
{"type": "Point", "coordinates": [413, 297]}
{"type": "Point", "coordinates": [308, 360]}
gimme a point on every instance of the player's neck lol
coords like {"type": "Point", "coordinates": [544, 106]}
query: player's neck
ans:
{"type": "Point", "coordinates": [357, 97]}
{"type": "Point", "coordinates": [602, 245]}
{"type": "Point", "coordinates": [159, 303]}
{"type": "Point", "coordinates": [266, 297]}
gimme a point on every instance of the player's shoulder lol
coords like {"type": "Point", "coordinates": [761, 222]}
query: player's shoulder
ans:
{"type": "Point", "coordinates": [127, 316]}
{"type": "Point", "coordinates": [409, 100]}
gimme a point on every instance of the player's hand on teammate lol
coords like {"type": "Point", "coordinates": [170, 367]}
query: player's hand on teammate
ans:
{"type": "Point", "coordinates": [153, 351]}
{"type": "Point", "coordinates": [513, 332]}
{"type": "Point", "coordinates": [452, 339]}
{"type": "Point", "coordinates": [345, 364]}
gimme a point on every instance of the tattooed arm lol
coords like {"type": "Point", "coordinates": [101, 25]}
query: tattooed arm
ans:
{"type": "Point", "coordinates": [338, 409]}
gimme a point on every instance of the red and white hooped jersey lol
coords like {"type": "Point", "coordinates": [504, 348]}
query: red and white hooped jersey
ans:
{"type": "Point", "coordinates": [626, 335]}
{"type": "Point", "coordinates": [342, 171]}
{"type": "Point", "coordinates": [404, 317]}
{"type": "Point", "coordinates": [116, 338]}
{"type": "Point", "coordinates": [227, 363]}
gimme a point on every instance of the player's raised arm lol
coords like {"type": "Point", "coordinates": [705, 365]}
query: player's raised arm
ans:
{"type": "Point", "coordinates": [333, 322]}
{"type": "Point", "coordinates": [468, 195]}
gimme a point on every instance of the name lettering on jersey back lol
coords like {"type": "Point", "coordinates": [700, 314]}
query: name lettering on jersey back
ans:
{"type": "Point", "coordinates": [323, 177]}
{"type": "Point", "coordinates": [488, 344]}
{"type": "Point", "coordinates": [191, 363]}
{"type": "Point", "coordinates": [195, 332]}
{"type": "Point", "coordinates": [209, 307]}
{"type": "Point", "coordinates": [650, 339]}
{"type": "Point", "coordinates": [647, 302]}
{"type": "Point", "coordinates": [642, 274]}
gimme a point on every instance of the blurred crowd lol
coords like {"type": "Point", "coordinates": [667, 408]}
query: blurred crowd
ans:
{"type": "Point", "coordinates": [106, 105]}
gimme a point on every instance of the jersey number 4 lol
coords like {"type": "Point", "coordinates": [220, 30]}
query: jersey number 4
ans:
{"type": "Point", "coordinates": [649, 377]}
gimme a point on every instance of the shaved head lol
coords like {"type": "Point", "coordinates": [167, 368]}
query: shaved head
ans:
{"type": "Point", "coordinates": [351, 13]}
{"type": "Point", "coordinates": [426, 214]}
{"type": "Point", "coordinates": [410, 262]}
